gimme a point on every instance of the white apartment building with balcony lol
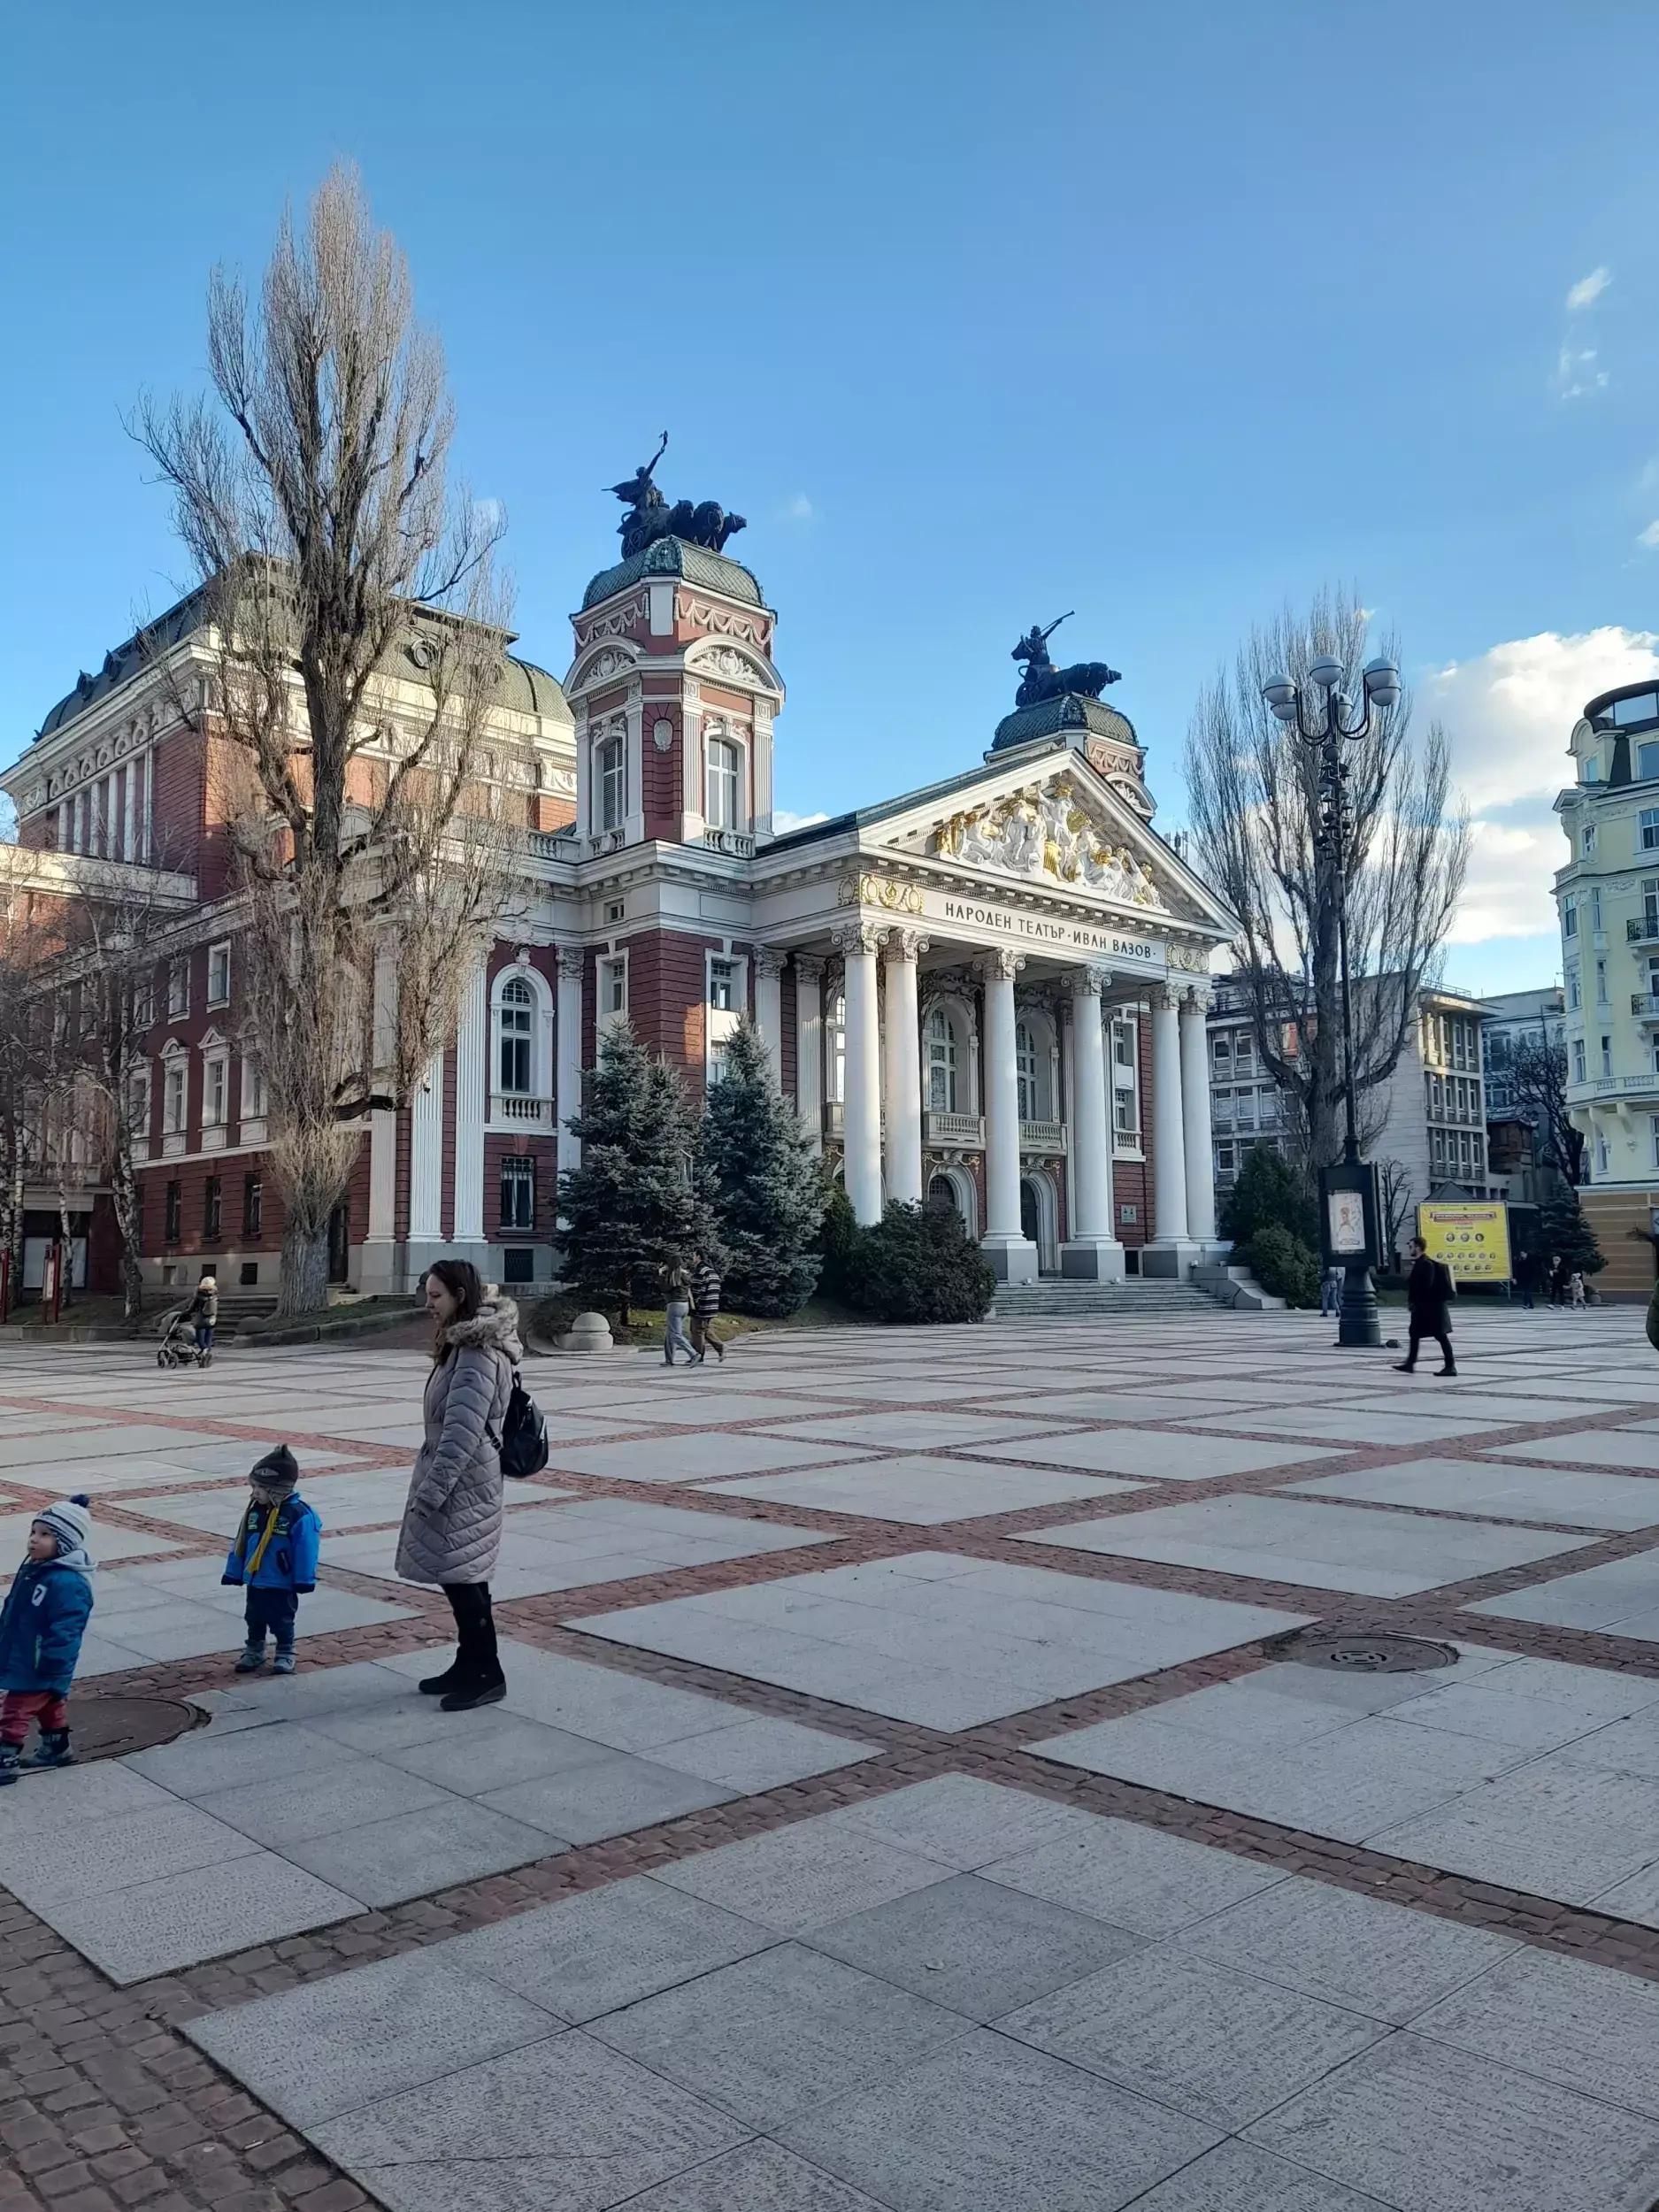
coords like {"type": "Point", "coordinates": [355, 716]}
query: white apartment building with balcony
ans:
{"type": "Point", "coordinates": [1607, 896]}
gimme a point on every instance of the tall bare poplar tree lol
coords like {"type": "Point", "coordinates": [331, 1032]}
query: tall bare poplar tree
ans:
{"type": "Point", "coordinates": [311, 492]}
{"type": "Point", "coordinates": [1253, 797]}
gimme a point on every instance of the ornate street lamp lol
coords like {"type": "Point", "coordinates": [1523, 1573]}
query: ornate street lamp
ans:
{"type": "Point", "coordinates": [1348, 1191]}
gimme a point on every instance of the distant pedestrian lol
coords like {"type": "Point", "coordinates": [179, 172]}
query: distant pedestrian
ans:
{"type": "Point", "coordinates": [705, 1305]}
{"type": "Point", "coordinates": [1575, 1291]}
{"type": "Point", "coordinates": [452, 1531]}
{"type": "Point", "coordinates": [273, 1554]}
{"type": "Point", "coordinates": [1556, 1284]}
{"type": "Point", "coordinates": [1526, 1277]}
{"type": "Point", "coordinates": [1330, 1291]}
{"type": "Point", "coordinates": [205, 1311]}
{"type": "Point", "coordinates": [1429, 1291]}
{"type": "Point", "coordinates": [41, 1624]}
{"type": "Point", "coordinates": [678, 1314]}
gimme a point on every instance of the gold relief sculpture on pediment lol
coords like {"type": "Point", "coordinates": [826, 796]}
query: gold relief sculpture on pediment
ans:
{"type": "Point", "coordinates": [895, 898]}
{"type": "Point", "coordinates": [1046, 832]}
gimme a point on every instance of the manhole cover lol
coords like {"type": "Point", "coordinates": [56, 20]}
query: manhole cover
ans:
{"type": "Point", "coordinates": [107, 1727]}
{"type": "Point", "coordinates": [1360, 1652]}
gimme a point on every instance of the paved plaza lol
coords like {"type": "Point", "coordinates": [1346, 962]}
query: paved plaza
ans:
{"type": "Point", "coordinates": [905, 1797]}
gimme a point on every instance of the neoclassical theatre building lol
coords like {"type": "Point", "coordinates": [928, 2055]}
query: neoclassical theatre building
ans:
{"type": "Point", "coordinates": [989, 993]}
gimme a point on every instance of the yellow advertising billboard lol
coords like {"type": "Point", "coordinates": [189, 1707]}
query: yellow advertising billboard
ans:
{"type": "Point", "coordinates": [1473, 1240]}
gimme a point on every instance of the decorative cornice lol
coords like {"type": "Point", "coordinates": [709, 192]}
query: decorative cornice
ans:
{"type": "Point", "coordinates": [866, 890]}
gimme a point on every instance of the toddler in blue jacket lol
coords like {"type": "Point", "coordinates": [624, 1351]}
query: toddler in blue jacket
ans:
{"type": "Point", "coordinates": [41, 1624]}
{"type": "Point", "coordinates": [275, 1554]}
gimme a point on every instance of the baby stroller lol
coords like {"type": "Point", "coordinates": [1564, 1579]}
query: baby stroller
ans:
{"type": "Point", "coordinates": [178, 1347]}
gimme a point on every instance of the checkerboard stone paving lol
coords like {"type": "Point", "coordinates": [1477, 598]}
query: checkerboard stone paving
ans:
{"type": "Point", "coordinates": [900, 1800]}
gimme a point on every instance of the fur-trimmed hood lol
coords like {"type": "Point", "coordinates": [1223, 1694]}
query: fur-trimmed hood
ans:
{"type": "Point", "coordinates": [495, 1327]}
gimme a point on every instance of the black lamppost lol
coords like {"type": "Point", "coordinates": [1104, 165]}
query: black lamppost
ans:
{"type": "Point", "coordinates": [1348, 1191]}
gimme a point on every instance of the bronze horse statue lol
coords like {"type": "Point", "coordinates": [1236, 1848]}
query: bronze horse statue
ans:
{"type": "Point", "coordinates": [1041, 680]}
{"type": "Point", "coordinates": [650, 516]}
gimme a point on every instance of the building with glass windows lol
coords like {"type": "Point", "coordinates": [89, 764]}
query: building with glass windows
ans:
{"type": "Point", "coordinates": [989, 993]}
{"type": "Point", "coordinates": [1607, 899]}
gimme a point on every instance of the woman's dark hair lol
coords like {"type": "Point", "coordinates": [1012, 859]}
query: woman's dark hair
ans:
{"type": "Point", "coordinates": [465, 1286]}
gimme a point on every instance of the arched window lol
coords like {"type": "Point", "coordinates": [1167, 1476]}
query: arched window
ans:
{"type": "Point", "coordinates": [611, 781]}
{"type": "Point", "coordinates": [722, 785]}
{"type": "Point", "coordinates": [941, 1193]}
{"type": "Point", "coordinates": [1026, 1069]}
{"type": "Point", "coordinates": [942, 1064]}
{"type": "Point", "coordinates": [515, 1032]}
{"type": "Point", "coordinates": [835, 1051]}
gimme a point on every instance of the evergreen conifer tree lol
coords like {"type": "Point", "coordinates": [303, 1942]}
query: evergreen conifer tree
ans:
{"type": "Point", "coordinates": [635, 1207]}
{"type": "Point", "coordinates": [765, 1187]}
{"type": "Point", "coordinates": [1564, 1229]}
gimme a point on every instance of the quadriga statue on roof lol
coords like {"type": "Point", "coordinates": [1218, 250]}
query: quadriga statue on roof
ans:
{"type": "Point", "coordinates": [1043, 680]}
{"type": "Point", "coordinates": [649, 516]}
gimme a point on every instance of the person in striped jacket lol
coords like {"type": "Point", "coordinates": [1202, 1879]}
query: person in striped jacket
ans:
{"type": "Point", "coordinates": [705, 1306]}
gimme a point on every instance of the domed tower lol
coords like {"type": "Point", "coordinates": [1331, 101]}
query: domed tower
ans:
{"type": "Point", "coordinates": [672, 688]}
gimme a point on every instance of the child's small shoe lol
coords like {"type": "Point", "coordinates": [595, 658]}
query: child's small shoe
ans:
{"type": "Point", "coordinates": [251, 1660]}
{"type": "Point", "coordinates": [283, 1664]}
{"type": "Point", "coordinates": [54, 1749]}
{"type": "Point", "coordinates": [10, 1762]}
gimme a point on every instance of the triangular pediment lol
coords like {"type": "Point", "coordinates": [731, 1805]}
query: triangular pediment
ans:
{"type": "Point", "coordinates": [1057, 827]}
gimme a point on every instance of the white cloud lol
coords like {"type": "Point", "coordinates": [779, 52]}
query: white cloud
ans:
{"type": "Point", "coordinates": [1650, 537]}
{"type": "Point", "coordinates": [1576, 374]}
{"type": "Point", "coordinates": [800, 508]}
{"type": "Point", "coordinates": [1588, 289]}
{"type": "Point", "coordinates": [784, 820]}
{"type": "Point", "coordinates": [488, 514]}
{"type": "Point", "coordinates": [1510, 713]}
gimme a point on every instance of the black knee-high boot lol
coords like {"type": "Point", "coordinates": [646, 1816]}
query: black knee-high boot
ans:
{"type": "Point", "coordinates": [477, 1679]}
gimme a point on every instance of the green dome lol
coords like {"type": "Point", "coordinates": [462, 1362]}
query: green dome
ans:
{"type": "Point", "coordinates": [677, 557]}
{"type": "Point", "coordinates": [1059, 718]}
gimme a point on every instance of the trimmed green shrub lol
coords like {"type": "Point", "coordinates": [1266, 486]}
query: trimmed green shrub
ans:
{"type": "Point", "coordinates": [1283, 1266]}
{"type": "Point", "coordinates": [918, 1264]}
{"type": "Point", "coordinates": [837, 1240]}
{"type": "Point", "coordinates": [1268, 1194]}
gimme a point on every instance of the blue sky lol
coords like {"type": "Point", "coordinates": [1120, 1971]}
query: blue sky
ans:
{"type": "Point", "coordinates": [977, 313]}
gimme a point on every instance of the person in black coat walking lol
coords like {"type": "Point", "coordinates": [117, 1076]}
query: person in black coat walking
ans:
{"type": "Point", "coordinates": [1429, 1290]}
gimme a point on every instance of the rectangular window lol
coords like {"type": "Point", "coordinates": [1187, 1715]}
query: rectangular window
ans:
{"type": "Point", "coordinates": [215, 1093]}
{"type": "Point", "coordinates": [178, 988]}
{"type": "Point", "coordinates": [1606, 1055]}
{"type": "Point", "coordinates": [143, 1002]}
{"type": "Point", "coordinates": [722, 986]}
{"type": "Point", "coordinates": [1569, 916]}
{"type": "Point", "coordinates": [173, 1098]}
{"type": "Point", "coordinates": [1648, 820]}
{"type": "Point", "coordinates": [1579, 1072]}
{"type": "Point", "coordinates": [1628, 712]}
{"type": "Point", "coordinates": [1575, 995]}
{"type": "Point", "coordinates": [253, 1104]}
{"type": "Point", "coordinates": [138, 1103]}
{"type": "Point", "coordinates": [1595, 907]}
{"type": "Point", "coordinates": [518, 1191]}
{"type": "Point", "coordinates": [1245, 1050]}
{"type": "Point", "coordinates": [613, 987]}
{"type": "Point", "coordinates": [219, 975]}
{"type": "Point", "coordinates": [1225, 1156]}
{"type": "Point", "coordinates": [1601, 983]}
{"type": "Point", "coordinates": [1647, 761]}
{"type": "Point", "coordinates": [610, 772]}
{"type": "Point", "coordinates": [174, 1214]}
{"type": "Point", "coordinates": [1602, 1156]}
{"type": "Point", "coordinates": [1589, 841]}
{"type": "Point", "coordinates": [252, 1206]}
{"type": "Point", "coordinates": [1221, 1053]}
{"type": "Point", "coordinates": [212, 1210]}
{"type": "Point", "coordinates": [1126, 1086]}
{"type": "Point", "coordinates": [722, 781]}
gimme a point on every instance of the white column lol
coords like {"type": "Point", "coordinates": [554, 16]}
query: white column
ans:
{"type": "Point", "coordinates": [863, 1105]}
{"type": "Point", "coordinates": [1201, 1159]}
{"type": "Point", "coordinates": [379, 1259]}
{"type": "Point", "coordinates": [147, 812]}
{"type": "Point", "coordinates": [65, 825]}
{"type": "Point", "coordinates": [112, 846]}
{"type": "Point", "coordinates": [130, 812]}
{"type": "Point", "coordinates": [78, 815]}
{"type": "Point", "coordinates": [1012, 1255]}
{"type": "Point", "coordinates": [769, 1005]}
{"type": "Point", "coordinates": [1171, 1251]}
{"type": "Point", "coordinates": [902, 1068]}
{"type": "Point", "coordinates": [425, 1165]}
{"type": "Point", "coordinates": [808, 1046]}
{"type": "Point", "coordinates": [472, 1056]}
{"type": "Point", "coordinates": [1093, 1249]}
{"type": "Point", "coordinates": [569, 1042]}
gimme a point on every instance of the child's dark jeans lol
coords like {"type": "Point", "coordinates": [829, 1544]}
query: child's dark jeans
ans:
{"type": "Point", "coordinates": [275, 1611]}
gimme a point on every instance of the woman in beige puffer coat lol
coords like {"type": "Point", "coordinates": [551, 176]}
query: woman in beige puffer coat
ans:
{"type": "Point", "coordinates": [452, 1531]}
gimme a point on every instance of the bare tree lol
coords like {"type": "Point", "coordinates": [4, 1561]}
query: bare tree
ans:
{"type": "Point", "coordinates": [310, 493]}
{"type": "Point", "coordinates": [1538, 1078]}
{"type": "Point", "coordinates": [1254, 801]}
{"type": "Point", "coordinates": [1393, 1199]}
